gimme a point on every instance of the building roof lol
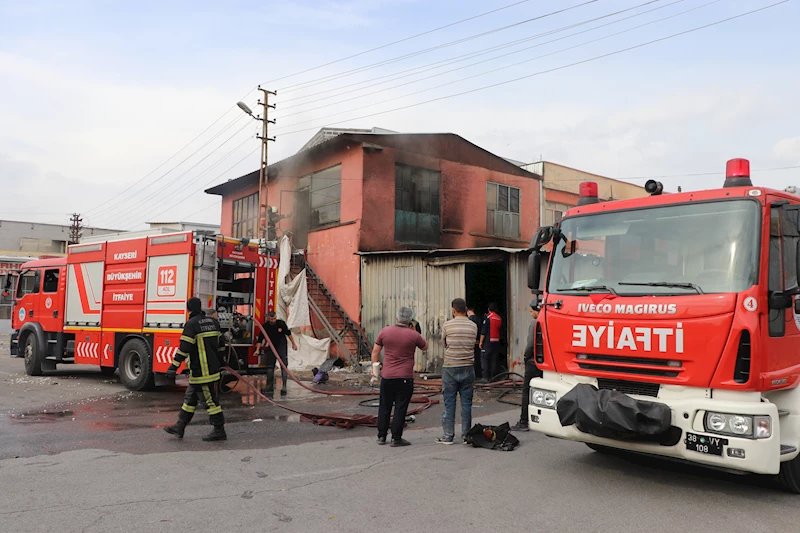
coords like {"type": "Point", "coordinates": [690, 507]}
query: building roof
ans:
{"type": "Point", "coordinates": [327, 133]}
{"type": "Point", "coordinates": [184, 223]}
{"type": "Point", "coordinates": [448, 146]}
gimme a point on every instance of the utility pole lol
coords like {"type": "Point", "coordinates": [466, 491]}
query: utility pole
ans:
{"type": "Point", "coordinates": [263, 174]}
{"type": "Point", "coordinates": [75, 233]}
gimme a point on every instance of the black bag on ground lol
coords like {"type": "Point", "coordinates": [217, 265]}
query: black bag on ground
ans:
{"type": "Point", "coordinates": [492, 437]}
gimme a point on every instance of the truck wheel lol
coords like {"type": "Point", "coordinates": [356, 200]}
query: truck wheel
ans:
{"type": "Point", "coordinates": [30, 351]}
{"type": "Point", "coordinates": [789, 475]}
{"type": "Point", "coordinates": [135, 370]}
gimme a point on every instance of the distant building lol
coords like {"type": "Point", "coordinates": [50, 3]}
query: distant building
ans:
{"type": "Point", "coordinates": [35, 238]}
{"type": "Point", "coordinates": [211, 229]}
{"type": "Point", "coordinates": [561, 185]}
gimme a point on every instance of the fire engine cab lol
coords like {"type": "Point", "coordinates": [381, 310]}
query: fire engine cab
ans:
{"type": "Point", "coordinates": [121, 304]}
{"type": "Point", "coordinates": [670, 326]}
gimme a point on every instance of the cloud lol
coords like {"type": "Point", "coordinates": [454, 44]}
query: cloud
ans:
{"type": "Point", "coordinates": [788, 149]}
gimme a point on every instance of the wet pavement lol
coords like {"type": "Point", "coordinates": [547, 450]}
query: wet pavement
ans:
{"type": "Point", "coordinates": [107, 416]}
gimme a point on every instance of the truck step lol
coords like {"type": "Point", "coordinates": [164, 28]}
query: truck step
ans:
{"type": "Point", "coordinates": [787, 449]}
{"type": "Point", "coordinates": [783, 412]}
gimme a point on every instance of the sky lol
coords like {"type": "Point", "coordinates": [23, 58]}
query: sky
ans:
{"type": "Point", "coordinates": [125, 111]}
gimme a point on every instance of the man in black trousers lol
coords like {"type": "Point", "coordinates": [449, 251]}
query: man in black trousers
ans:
{"type": "Point", "coordinates": [531, 371]}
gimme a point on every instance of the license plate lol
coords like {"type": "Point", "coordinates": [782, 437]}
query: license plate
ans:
{"type": "Point", "coordinates": [705, 444]}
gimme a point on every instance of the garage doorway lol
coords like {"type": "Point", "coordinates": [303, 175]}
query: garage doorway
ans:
{"type": "Point", "coordinates": [486, 283]}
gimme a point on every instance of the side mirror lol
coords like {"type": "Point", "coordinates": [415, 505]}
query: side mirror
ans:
{"type": "Point", "coordinates": [534, 272]}
{"type": "Point", "coordinates": [543, 236]}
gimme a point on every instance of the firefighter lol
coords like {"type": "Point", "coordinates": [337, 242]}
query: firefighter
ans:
{"type": "Point", "coordinates": [199, 346]}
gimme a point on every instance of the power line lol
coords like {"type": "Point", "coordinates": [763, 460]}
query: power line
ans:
{"type": "Point", "coordinates": [498, 57]}
{"type": "Point", "coordinates": [209, 206]}
{"type": "Point", "coordinates": [431, 49]}
{"type": "Point", "coordinates": [104, 209]}
{"type": "Point", "coordinates": [166, 197]}
{"type": "Point", "coordinates": [144, 200]}
{"type": "Point", "coordinates": [547, 71]}
{"type": "Point", "coordinates": [700, 174]}
{"type": "Point", "coordinates": [398, 41]}
{"type": "Point", "coordinates": [471, 55]}
{"type": "Point", "coordinates": [170, 158]}
{"type": "Point", "coordinates": [207, 183]}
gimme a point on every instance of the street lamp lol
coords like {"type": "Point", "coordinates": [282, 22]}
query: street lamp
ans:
{"type": "Point", "coordinates": [262, 173]}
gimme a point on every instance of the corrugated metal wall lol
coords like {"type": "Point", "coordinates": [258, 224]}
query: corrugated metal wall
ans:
{"type": "Point", "coordinates": [445, 283]}
{"type": "Point", "coordinates": [387, 283]}
{"type": "Point", "coordinates": [429, 285]}
{"type": "Point", "coordinates": [519, 314]}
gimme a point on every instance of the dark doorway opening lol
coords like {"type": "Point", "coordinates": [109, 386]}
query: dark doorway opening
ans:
{"type": "Point", "coordinates": [486, 283]}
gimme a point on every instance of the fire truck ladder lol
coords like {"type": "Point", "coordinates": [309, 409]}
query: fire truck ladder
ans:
{"type": "Point", "coordinates": [349, 337]}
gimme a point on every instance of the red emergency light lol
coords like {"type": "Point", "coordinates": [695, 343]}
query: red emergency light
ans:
{"type": "Point", "coordinates": [737, 173]}
{"type": "Point", "coordinates": [588, 193]}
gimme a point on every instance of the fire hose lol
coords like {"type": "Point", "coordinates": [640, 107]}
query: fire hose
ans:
{"type": "Point", "coordinates": [422, 395]}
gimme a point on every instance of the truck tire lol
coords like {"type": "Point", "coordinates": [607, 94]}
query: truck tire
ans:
{"type": "Point", "coordinates": [135, 368]}
{"type": "Point", "coordinates": [30, 351]}
{"type": "Point", "coordinates": [789, 475]}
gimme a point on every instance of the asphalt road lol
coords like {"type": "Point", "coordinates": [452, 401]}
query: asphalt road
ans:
{"type": "Point", "coordinates": [353, 485]}
{"type": "Point", "coordinates": [83, 455]}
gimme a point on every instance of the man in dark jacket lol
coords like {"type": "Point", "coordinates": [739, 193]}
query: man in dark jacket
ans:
{"type": "Point", "coordinates": [199, 347]}
{"type": "Point", "coordinates": [278, 332]}
{"type": "Point", "coordinates": [531, 371]}
{"type": "Point", "coordinates": [479, 323]}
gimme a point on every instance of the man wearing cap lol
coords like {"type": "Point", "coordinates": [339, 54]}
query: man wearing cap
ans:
{"type": "Point", "coordinates": [530, 371]}
{"type": "Point", "coordinates": [399, 344]}
{"type": "Point", "coordinates": [198, 347]}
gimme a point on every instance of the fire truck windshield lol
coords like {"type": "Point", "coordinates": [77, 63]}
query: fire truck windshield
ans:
{"type": "Point", "coordinates": [684, 249]}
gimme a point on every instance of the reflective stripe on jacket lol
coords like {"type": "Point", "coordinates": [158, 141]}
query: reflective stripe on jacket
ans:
{"type": "Point", "coordinates": [199, 347]}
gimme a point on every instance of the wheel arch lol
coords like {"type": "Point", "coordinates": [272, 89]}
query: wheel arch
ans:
{"type": "Point", "coordinates": [34, 328]}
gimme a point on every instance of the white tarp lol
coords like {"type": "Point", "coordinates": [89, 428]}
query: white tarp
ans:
{"type": "Point", "coordinates": [312, 352]}
{"type": "Point", "coordinates": [292, 306]}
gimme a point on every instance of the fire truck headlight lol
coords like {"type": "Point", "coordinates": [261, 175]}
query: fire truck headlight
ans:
{"type": "Point", "coordinates": [737, 425]}
{"type": "Point", "coordinates": [537, 396]}
{"type": "Point", "coordinates": [741, 425]}
{"type": "Point", "coordinates": [543, 398]}
{"type": "Point", "coordinates": [763, 427]}
{"type": "Point", "coordinates": [550, 399]}
{"type": "Point", "coordinates": [716, 422]}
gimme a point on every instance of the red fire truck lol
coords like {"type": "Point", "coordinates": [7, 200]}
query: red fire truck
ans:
{"type": "Point", "coordinates": [670, 326]}
{"type": "Point", "coordinates": [121, 304]}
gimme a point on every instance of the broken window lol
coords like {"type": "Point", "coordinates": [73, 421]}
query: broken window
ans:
{"type": "Point", "coordinates": [502, 210]}
{"type": "Point", "coordinates": [416, 205]}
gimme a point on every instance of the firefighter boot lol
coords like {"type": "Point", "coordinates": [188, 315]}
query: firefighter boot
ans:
{"type": "Point", "coordinates": [176, 429]}
{"type": "Point", "coordinates": [218, 433]}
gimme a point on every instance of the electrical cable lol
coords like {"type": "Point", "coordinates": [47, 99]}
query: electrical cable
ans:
{"type": "Point", "coordinates": [464, 57]}
{"type": "Point", "coordinates": [115, 206]}
{"type": "Point", "coordinates": [399, 41]}
{"type": "Point", "coordinates": [137, 215]}
{"type": "Point", "coordinates": [142, 201]}
{"type": "Point", "coordinates": [547, 71]}
{"type": "Point", "coordinates": [430, 49]}
{"type": "Point", "coordinates": [460, 80]}
{"type": "Point", "coordinates": [175, 154]}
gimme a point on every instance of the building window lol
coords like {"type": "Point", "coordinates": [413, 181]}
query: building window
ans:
{"type": "Point", "coordinates": [325, 187]}
{"type": "Point", "coordinates": [553, 213]}
{"type": "Point", "coordinates": [416, 206]}
{"type": "Point", "coordinates": [245, 217]}
{"type": "Point", "coordinates": [502, 210]}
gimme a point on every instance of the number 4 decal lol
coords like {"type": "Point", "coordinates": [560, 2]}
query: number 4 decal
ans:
{"type": "Point", "coordinates": [167, 285]}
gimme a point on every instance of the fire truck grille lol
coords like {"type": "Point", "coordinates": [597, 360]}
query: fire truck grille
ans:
{"type": "Point", "coordinates": [629, 387]}
{"type": "Point", "coordinates": [629, 365]}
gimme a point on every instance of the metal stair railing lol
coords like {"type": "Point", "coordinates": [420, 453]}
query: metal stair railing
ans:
{"type": "Point", "coordinates": [360, 337]}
